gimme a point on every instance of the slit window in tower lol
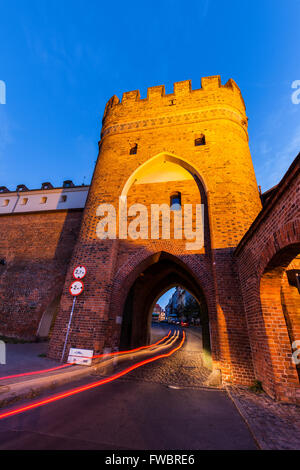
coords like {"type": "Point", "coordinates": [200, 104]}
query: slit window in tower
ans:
{"type": "Point", "coordinates": [200, 140]}
{"type": "Point", "coordinates": [133, 150]}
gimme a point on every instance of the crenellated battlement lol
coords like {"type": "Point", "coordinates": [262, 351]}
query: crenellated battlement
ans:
{"type": "Point", "coordinates": [159, 103]}
{"type": "Point", "coordinates": [212, 83]}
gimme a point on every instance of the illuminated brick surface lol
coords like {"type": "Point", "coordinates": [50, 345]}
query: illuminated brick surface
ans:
{"type": "Point", "coordinates": [165, 127]}
{"type": "Point", "coordinates": [147, 152]}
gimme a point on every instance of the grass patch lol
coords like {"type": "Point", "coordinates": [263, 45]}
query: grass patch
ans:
{"type": "Point", "coordinates": [256, 387]}
{"type": "Point", "coordinates": [9, 340]}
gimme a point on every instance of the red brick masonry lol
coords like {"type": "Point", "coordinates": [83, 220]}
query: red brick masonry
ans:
{"type": "Point", "coordinates": [239, 276]}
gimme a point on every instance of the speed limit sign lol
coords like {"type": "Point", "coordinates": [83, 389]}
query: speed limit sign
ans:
{"type": "Point", "coordinates": [79, 272]}
{"type": "Point", "coordinates": [76, 288]}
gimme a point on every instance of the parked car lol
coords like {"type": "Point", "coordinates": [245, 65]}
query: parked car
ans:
{"type": "Point", "coordinates": [184, 324]}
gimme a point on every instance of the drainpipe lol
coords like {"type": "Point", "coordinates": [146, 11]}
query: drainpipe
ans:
{"type": "Point", "coordinates": [18, 198]}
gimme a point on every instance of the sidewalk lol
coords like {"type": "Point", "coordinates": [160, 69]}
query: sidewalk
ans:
{"type": "Point", "coordinates": [25, 357]}
{"type": "Point", "coordinates": [275, 425]}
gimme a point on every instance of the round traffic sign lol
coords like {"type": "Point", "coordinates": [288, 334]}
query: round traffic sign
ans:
{"type": "Point", "coordinates": [76, 288]}
{"type": "Point", "coordinates": [79, 272]}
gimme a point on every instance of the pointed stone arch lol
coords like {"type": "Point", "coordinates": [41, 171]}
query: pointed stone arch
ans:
{"type": "Point", "coordinates": [184, 271]}
{"type": "Point", "coordinates": [167, 157]}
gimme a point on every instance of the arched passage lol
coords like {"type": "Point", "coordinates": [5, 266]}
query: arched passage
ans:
{"type": "Point", "coordinates": [148, 285]}
{"type": "Point", "coordinates": [181, 308]}
{"type": "Point", "coordinates": [280, 303]}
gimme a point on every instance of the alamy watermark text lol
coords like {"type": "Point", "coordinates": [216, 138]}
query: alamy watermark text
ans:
{"type": "Point", "coordinates": [188, 222]}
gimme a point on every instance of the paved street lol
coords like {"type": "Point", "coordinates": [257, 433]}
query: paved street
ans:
{"type": "Point", "coordinates": [135, 413]}
{"type": "Point", "coordinates": [131, 415]}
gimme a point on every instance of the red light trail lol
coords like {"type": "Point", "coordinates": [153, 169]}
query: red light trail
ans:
{"type": "Point", "coordinates": [94, 357]}
{"type": "Point", "coordinates": [134, 350]}
{"type": "Point", "coordinates": [90, 386]}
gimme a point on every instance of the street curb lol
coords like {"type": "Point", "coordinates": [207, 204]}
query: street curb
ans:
{"type": "Point", "coordinates": [256, 440]}
{"type": "Point", "coordinates": [35, 387]}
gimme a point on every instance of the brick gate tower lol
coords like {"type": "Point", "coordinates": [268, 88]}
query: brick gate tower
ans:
{"type": "Point", "coordinates": [190, 146]}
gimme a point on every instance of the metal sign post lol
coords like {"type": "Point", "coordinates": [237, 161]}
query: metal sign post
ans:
{"type": "Point", "coordinates": [71, 314]}
{"type": "Point", "coordinates": [75, 289]}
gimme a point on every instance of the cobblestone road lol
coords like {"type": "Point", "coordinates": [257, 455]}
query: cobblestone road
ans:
{"type": "Point", "coordinates": [185, 368]}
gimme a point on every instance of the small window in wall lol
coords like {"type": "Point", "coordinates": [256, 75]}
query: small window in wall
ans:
{"type": "Point", "coordinates": [47, 185]}
{"type": "Point", "coordinates": [133, 150]}
{"type": "Point", "coordinates": [63, 198]}
{"type": "Point", "coordinates": [5, 202]}
{"type": "Point", "coordinates": [43, 200]}
{"type": "Point", "coordinates": [200, 140]}
{"type": "Point", "coordinates": [68, 184]}
{"type": "Point", "coordinates": [175, 201]}
{"type": "Point", "coordinates": [24, 201]}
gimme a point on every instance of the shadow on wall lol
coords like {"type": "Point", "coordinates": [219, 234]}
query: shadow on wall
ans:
{"type": "Point", "coordinates": [48, 318]}
{"type": "Point", "coordinates": [32, 279]}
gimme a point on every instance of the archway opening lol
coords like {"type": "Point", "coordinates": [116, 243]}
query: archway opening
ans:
{"type": "Point", "coordinates": [150, 284]}
{"type": "Point", "coordinates": [178, 307]}
{"type": "Point", "coordinates": [280, 301]}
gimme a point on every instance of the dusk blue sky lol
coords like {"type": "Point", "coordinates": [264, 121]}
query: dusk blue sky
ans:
{"type": "Point", "coordinates": [164, 299]}
{"type": "Point", "coordinates": [62, 60]}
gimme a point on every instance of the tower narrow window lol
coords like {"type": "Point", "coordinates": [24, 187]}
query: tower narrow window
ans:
{"type": "Point", "coordinates": [5, 202]}
{"type": "Point", "coordinates": [63, 198]}
{"type": "Point", "coordinates": [43, 200]}
{"type": "Point", "coordinates": [298, 281]}
{"type": "Point", "coordinates": [200, 140]}
{"type": "Point", "coordinates": [175, 201]}
{"type": "Point", "coordinates": [24, 201]}
{"type": "Point", "coordinates": [133, 150]}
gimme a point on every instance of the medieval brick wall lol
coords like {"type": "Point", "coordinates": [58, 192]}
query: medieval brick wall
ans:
{"type": "Point", "coordinates": [271, 305]}
{"type": "Point", "coordinates": [36, 248]}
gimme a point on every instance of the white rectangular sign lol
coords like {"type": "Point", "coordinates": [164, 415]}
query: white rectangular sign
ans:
{"type": "Point", "coordinates": [80, 356]}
